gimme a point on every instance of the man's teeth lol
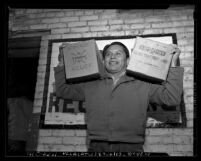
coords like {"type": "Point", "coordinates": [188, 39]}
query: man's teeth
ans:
{"type": "Point", "coordinates": [113, 62]}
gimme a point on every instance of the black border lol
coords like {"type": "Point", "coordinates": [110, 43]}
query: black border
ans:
{"type": "Point", "coordinates": [47, 75]}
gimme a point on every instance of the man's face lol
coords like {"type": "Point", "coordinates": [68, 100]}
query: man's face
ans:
{"type": "Point", "coordinates": [115, 59]}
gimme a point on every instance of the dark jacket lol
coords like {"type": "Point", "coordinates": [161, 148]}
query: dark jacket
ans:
{"type": "Point", "coordinates": [20, 111]}
{"type": "Point", "coordinates": [119, 113]}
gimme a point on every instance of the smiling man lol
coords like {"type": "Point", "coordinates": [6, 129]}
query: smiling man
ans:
{"type": "Point", "coordinates": [116, 58]}
{"type": "Point", "coordinates": [116, 104]}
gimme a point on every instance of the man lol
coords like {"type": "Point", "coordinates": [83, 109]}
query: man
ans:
{"type": "Point", "coordinates": [116, 104]}
{"type": "Point", "coordinates": [19, 108]}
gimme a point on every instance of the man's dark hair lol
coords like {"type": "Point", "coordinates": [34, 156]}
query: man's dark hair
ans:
{"type": "Point", "coordinates": [116, 43]}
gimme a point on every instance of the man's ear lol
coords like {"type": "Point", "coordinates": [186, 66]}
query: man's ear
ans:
{"type": "Point", "coordinates": [103, 61]}
{"type": "Point", "coordinates": [127, 61]}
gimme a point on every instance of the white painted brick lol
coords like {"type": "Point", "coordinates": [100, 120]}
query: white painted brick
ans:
{"type": "Point", "coordinates": [49, 37]}
{"type": "Point", "coordinates": [110, 33]}
{"type": "Point", "coordinates": [189, 107]}
{"type": "Point", "coordinates": [80, 29]}
{"type": "Point", "coordinates": [100, 28]}
{"type": "Point", "coordinates": [44, 43]}
{"type": "Point", "coordinates": [160, 131]}
{"type": "Point", "coordinates": [50, 20]}
{"type": "Point", "coordinates": [181, 140]}
{"type": "Point", "coordinates": [43, 53]}
{"type": "Point", "coordinates": [188, 84]}
{"type": "Point", "coordinates": [175, 17]}
{"type": "Point", "coordinates": [134, 32]}
{"type": "Point", "coordinates": [187, 48]}
{"type": "Point", "coordinates": [38, 102]}
{"type": "Point", "coordinates": [110, 11]}
{"type": "Point", "coordinates": [89, 34]}
{"type": "Point", "coordinates": [158, 140]}
{"type": "Point", "coordinates": [178, 30]}
{"type": "Point", "coordinates": [183, 148]}
{"type": "Point", "coordinates": [69, 140]}
{"type": "Point", "coordinates": [60, 31]}
{"type": "Point", "coordinates": [21, 28]}
{"type": "Point", "coordinates": [189, 99]}
{"type": "Point", "coordinates": [152, 31]}
{"type": "Point", "coordinates": [50, 140]}
{"type": "Point", "coordinates": [187, 62]}
{"type": "Point", "coordinates": [88, 18]}
{"type": "Point", "coordinates": [80, 141]}
{"type": "Point", "coordinates": [80, 132]}
{"type": "Point", "coordinates": [41, 68]}
{"type": "Point", "coordinates": [89, 12]}
{"type": "Point", "coordinates": [81, 148]}
{"type": "Point", "coordinates": [36, 109]}
{"type": "Point", "coordinates": [45, 132]}
{"type": "Point", "coordinates": [50, 14]}
{"type": "Point", "coordinates": [190, 123]}
{"type": "Point", "coordinates": [107, 16]}
{"type": "Point", "coordinates": [19, 11]}
{"type": "Point", "coordinates": [41, 15]}
{"type": "Point", "coordinates": [98, 11]}
{"type": "Point", "coordinates": [112, 22]}
{"type": "Point", "coordinates": [32, 21]}
{"type": "Point", "coordinates": [42, 147]}
{"type": "Point", "coordinates": [188, 70]}
{"type": "Point", "coordinates": [183, 131]}
{"type": "Point", "coordinates": [31, 11]}
{"type": "Point", "coordinates": [40, 75]}
{"type": "Point", "coordinates": [97, 23]}
{"type": "Point", "coordinates": [39, 85]}
{"type": "Point", "coordinates": [155, 19]}
{"type": "Point", "coordinates": [189, 77]}
{"type": "Point", "coordinates": [140, 13]}
{"type": "Point", "coordinates": [136, 20]}
{"type": "Point", "coordinates": [181, 154]}
{"type": "Point", "coordinates": [179, 11]}
{"type": "Point", "coordinates": [50, 10]}
{"type": "Point", "coordinates": [76, 24]}
{"type": "Point", "coordinates": [59, 14]}
{"type": "Point", "coordinates": [63, 132]}
{"type": "Point", "coordinates": [70, 13]}
{"type": "Point", "coordinates": [76, 35]}
{"type": "Point", "coordinates": [139, 26]}
{"type": "Point", "coordinates": [189, 92]}
{"type": "Point", "coordinates": [158, 148]}
{"type": "Point", "coordinates": [172, 24]}
{"type": "Point", "coordinates": [68, 19]}
{"type": "Point", "coordinates": [119, 27]}
{"type": "Point", "coordinates": [38, 95]}
{"type": "Point", "coordinates": [39, 26]}
{"type": "Point", "coordinates": [63, 148]}
{"type": "Point", "coordinates": [182, 42]}
{"type": "Point", "coordinates": [57, 25]}
{"type": "Point", "coordinates": [74, 140]}
{"type": "Point", "coordinates": [79, 13]}
{"type": "Point", "coordinates": [185, 35]}
{"type": "Point", "coordinates": [186, 54]}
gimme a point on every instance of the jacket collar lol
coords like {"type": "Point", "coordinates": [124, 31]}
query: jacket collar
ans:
{"type": "Point", "coordinates": [124, 78]}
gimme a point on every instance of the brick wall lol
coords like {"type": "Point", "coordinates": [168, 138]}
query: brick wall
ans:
{"type": "Point", "coordinates": [81, 23]}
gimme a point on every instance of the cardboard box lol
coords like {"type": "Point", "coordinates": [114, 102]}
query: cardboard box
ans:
{"type": "Point", "coordinates": [82, 61]}
{"type": "Point", "coordinates": [150, 59]}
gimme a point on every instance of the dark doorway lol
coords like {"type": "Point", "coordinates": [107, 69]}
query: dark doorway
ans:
{"type": "Point", "coordinates": [22, 76]}
{"type": "Point", "coordinates": [22, 64]}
